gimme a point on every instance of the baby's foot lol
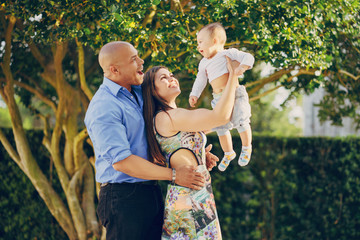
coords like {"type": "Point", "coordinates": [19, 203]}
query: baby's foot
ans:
{"type": "Point", "coordinates": [228, 156]}
{"type": "Point", "coordinates": [245, 155]}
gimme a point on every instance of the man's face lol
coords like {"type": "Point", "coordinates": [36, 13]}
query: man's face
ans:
{"type": "Point", "coordinates": [130, 67]}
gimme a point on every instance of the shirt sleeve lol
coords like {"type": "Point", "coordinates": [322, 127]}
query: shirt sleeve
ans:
{"type": "Point", "coordinates": [108, 135]}
{"type": "Point", "coordinates": [200, 81]}
{"type": "Point", "coordinates": [242, 57]}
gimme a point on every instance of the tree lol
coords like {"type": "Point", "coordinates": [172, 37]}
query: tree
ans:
{"type": "Point", "coordinates": [35, 65]}
{"type": "Point", "coordinates": [49, 60]}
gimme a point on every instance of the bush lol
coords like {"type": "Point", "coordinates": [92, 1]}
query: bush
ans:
{"type": "Point", "coordinates": [293, 188]}
{"type": "Point", "coordinates": [24, 214]}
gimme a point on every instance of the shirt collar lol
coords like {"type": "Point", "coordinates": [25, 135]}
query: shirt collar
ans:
{"type": "Point", "coordinates": [115, 88]}
{"type": "Point", "coordinates": [112, 86]}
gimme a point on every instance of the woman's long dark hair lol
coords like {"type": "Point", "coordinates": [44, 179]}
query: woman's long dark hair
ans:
{"type": "Point", "coordinates": [152, 104]}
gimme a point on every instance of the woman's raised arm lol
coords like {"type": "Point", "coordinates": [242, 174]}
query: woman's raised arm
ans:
{"type": "Point", "coordinates": [201, 119]}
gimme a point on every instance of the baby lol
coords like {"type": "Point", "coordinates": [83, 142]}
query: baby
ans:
{"type": "Point", "coordinates": [211, 40]}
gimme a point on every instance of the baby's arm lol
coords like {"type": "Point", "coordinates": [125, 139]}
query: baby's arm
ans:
{"type": "Point", "coordinates": [199, 85]}
{"type": "Point", "coordinates": [241, 69]}
{"type": "Point", "coordinates": [193, 101]}
{"type": "Point", "coordinates": [245, 59]}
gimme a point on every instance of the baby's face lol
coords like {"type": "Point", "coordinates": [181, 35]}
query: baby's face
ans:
{"type": "Point", "coordinates": [205, 44]}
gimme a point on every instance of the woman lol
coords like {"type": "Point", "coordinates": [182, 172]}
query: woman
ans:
{"type": "Point", "coordinates": [176, 138]}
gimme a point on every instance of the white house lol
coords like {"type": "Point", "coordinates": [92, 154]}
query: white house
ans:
{"type": "Point", "coordinates": [312, 125]}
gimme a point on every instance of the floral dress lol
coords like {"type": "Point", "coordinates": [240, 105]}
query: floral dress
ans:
{"type": "Point", "coordinates": [189, 214]}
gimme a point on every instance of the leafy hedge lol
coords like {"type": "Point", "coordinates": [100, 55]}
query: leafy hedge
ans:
{"type": "Point", "coordinates": [293, 188]}
{"type": "Point", "coordinates": [24, 214]}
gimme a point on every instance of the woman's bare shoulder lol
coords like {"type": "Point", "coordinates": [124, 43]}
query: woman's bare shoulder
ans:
{"type": "Point", "coordinates": [163, 123]}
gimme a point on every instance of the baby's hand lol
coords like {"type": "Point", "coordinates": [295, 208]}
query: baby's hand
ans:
{"type": "Point", "coordinates": [241, 69]}
{"type": "Point", "coordinates": [192, 101]}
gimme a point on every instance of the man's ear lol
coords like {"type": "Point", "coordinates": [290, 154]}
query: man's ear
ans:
{"type": "Point", "coordinates": [114, 70]}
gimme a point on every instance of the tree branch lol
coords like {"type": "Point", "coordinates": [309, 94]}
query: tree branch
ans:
{"type": "Point", "coordinates": [87, 202]}
{"type": "Point", "coordinates": [59, 115]}
{"type": "Point", "coordinates": [81, 66]}
{"type": "Point", "coordinates": [93, 67]}
{"type": "Point", "coordinates": [47, 75]}
{"type": "Point", "coordinates": [78, 148]}
{"type": "Point", "coordinates": [254, 83]}
{"type": "Point", "coordinates": [180, 54]}
{"type": "Point", "coordinates": [7, 55]}
{"type": "Point", "coordinates": [47, 136]}
{"type": "Point", "coordinates": [349, 74]}
{"type": "Point", "coordinates": [37, 54]}
{"type": "Point", "coordinates": [148, 18]}
{"type": "Point", "coordinates": [275, 76]}
{"type": "Point", "coordinates": [37, 94]}
{"type": "Point", "coordinates": [74, 204]}
{"type": "Point", "coordinates": [177, 4]}
{"type": "Point", "coordinates": [264, 93]}
{"type": "Point", "coordinates": [237, 43]}
{"type": "Point", "coordinates": [146, 54]}
{"type": "Point", "coordinates": [10, 150]}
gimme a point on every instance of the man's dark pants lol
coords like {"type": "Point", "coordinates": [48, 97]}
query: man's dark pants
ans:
{"type": "Point", "coordinates": [131, 211]}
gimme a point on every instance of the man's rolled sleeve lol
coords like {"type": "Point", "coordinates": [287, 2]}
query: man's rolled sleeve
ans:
{"type": "Point", "coordinates": [112, 144]}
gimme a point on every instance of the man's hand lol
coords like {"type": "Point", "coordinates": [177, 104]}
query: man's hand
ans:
{"type": "Point", "coordinates": [211, 159]}
{"type": "Point", "coordinates": [187, 176]}
{"type": "Point", "coordinates": [192, 101]}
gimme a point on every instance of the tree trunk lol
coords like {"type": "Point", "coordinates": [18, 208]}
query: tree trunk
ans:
{"type": "Point", "coordinates": [26, 160]}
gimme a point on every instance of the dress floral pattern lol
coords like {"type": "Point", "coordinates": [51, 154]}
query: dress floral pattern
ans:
{"type": "Point", "coordinates": [189, 214]}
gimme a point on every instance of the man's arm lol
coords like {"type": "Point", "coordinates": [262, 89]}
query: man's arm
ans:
{"type": "Point", "coordinates": [138, 167]}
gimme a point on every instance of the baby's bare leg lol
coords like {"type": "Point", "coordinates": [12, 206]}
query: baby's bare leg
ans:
{"type": "Point", "coordinates": [226, 142]}
{"type": "Point", "coordinates": [246, 137]}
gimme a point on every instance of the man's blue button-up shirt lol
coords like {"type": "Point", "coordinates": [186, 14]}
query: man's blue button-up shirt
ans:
{"type": "Point", "coordinates": [116, 127]}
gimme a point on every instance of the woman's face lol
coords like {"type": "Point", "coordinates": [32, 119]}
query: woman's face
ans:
{"type": "Point", "coordinates": [166, 85]}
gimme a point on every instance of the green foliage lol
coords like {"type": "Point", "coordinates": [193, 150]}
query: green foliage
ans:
{"type": "Point", "coordinates": [294, 188]}
{"type": "Point", "coordinates": [288, 34]}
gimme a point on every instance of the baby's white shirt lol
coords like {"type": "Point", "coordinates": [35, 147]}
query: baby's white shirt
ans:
{"type": "Point", "coordinates": [216, 66]}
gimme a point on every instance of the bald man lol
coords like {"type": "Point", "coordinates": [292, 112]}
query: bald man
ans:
{"type": "Point", "coordinates": [130, 201]}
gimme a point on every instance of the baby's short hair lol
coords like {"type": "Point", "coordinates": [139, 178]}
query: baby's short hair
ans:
{"type": "Point", "coordinates": [216, 30]}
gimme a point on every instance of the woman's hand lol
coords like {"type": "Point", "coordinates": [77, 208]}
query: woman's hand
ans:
{"type": "Point", "coordinates": [231, 65]}
{"type": "Point", "coordinates": [241, 69]}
